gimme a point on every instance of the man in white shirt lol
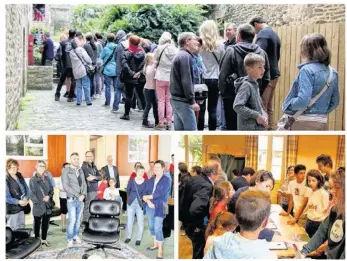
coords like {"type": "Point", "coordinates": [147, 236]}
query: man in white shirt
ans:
{"type": "Point", "coordinates": [111, 171]}
{"type": "Point", "coordinates": [298, 196]}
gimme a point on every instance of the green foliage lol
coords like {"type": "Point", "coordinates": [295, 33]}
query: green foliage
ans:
{"type": "Point", "coordinates": [195, 148]}
{"type": "Point", "coordinates": [147, 21]}
{"type": "Point", "coordinates": [38, 26]}
{"type": "Point", "coordinates": [37, 55]}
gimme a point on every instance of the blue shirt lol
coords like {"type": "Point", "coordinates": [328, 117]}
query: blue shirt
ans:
{"type": "Point", "coordinates": [309, 82]}
{"type": "Point", "coordinates": [14, 201]}
{"type": "Point", "coordinates": [131, 191]}
{"type": "Point", "coordinates": [168, 174]}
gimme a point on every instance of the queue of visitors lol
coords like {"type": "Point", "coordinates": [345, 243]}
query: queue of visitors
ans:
{"type": "Point", "coordinates": [224, 220]}
{"type": "Point", "coordinates": [234, 77]}
{"type": "Point", "coordinates": [79, 185]}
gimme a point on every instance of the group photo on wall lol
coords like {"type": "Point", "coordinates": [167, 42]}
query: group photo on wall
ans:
{"type": "Point", "coordinates": [90, 195]}
{"type": "Point", "coordinates": [262, 197]}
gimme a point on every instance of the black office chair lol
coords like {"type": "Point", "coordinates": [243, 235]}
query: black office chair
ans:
{"type": "Point", "coordinates": [19, 243]}
{"type": "Point", "coordinates": [102, 229]}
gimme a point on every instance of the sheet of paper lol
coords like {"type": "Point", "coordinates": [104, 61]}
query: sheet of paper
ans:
{"type": "Point", "coordinates": [277, 246]}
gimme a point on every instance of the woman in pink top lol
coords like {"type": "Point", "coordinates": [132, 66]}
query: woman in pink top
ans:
{"type": "Point", "coordinates": [149, 92]}
{"type": "Point", "coordinates": [164, 56]}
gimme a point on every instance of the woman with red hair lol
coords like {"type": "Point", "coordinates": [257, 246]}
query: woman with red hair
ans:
{"type": "Point", "coordinates": [133, 61]}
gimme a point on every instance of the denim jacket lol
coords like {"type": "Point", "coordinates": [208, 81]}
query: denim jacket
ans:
{"type": "Point", "coordinates": [309, 82]}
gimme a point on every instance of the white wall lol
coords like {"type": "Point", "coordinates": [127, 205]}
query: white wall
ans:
{"type": "Point", "coordinates": [164, 148]}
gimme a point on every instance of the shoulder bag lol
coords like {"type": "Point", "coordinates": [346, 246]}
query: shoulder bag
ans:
{"type": "Point", "coordinates": [138, 196]}
{"type": "Point", "coordinates": [108, 60]}
{"type": "Point", "coordinates": [89, 68]}
{"type": "Point", "coordinates": [287, 121]}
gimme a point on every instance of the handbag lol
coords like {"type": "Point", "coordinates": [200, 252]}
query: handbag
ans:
{"type": "Point", "coordinates": [89, 68]}
{"type": "Point", "coordinates": [50, 203]}
{"type": "Point", "coordinates": [138, 196]}
{"type": "Point", "coordinates": [286, 122]}
{"type": "Point", "coordinates": [200, 91]}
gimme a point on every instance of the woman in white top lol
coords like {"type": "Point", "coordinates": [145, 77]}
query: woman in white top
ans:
{"type": "Point", "coordinates": [317, 203]}
{"type": "Point", "coordinates": [63, 201]}
{"type": "Point", "coordinates": [164, 56]}
{"type": "Point", "coordinates": [212, 53]}
{"type": "Point", "coordinates": [112, 193]}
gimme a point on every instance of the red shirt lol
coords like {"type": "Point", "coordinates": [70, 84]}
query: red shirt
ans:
{"type": "Point", "coordinates": [101, 189]}
{"type": "Point", "coordinates": [172, 168]}
{"type": "Point", "coordinates": [133, 175]}
{"type": "Point", "coordinates": [219, 207]}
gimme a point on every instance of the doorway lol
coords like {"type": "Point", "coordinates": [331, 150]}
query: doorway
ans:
{"type": "Point", "coordinates": [230, 163]}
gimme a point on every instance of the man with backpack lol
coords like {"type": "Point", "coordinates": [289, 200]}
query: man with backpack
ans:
{"type": "Point", "coordinates": [232, 68]}
{"type": "Point", "coordinates": [67, 67]}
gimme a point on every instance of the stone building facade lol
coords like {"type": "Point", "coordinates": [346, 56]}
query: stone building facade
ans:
{"type": "Point", "coordinates": [284, 14]}
{"type": "Point", "coordinates": [18, 20]}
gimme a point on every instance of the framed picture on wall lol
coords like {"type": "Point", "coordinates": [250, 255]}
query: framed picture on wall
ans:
{"type": "Point", "coordinates": [29, 147]}
{"type": "Point", "coordinates": [138, 148]}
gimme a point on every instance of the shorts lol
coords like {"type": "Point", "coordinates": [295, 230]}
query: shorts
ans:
{"type": "Point", "coordinates": [63, 205]}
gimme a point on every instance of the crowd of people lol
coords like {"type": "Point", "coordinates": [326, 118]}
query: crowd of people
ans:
{"type": "Point", "coordinates": [79, 185]}
{"type": "Point", "coordinates": [234, 77]}
{"type": "Point", "coordinates": [224, 218]}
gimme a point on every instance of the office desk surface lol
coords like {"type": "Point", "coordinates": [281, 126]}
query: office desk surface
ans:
{"type": "Point", "coordinates": [287, 231]}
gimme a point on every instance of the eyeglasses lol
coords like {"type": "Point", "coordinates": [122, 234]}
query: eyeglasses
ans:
{"type": "Point", "coordinates": [14, 167]}
{"type": "Point", "coordinates": [41, 166]}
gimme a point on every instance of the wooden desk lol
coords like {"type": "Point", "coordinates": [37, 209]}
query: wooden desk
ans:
{"type": "Point", "coordinates": [287, 231]}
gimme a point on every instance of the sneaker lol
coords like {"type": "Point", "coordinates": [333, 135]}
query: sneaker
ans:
{"type": "Point", "coordinates": [70, 100]}
{"type": "Point", "coordinates": [168, 127]}
{"type": "Point", "coordinates": [125, 117]}
{"type": "Point", "coordinates": [114, 111]}
{"type": "Point", "coordinates": [127, 241]}
{"type": "Point", "coordinates": [66, 95]}
{"type": "Point", "coordinates": [89, 104]}
{"type": "Point", "coordinates": [70, 243]}
{"type": "Point", "coordinates": [159, 127]}
{"type": "Point", "coordinates": [78, 104]}
{"type": "Point", "coordinates": [77, 240]}
{"type": "Point", "coordinates": [147, 125]}
{"type": "Point", "coordinates": [56, 98]}
{"type": "Point", "coordinates": [138, 242]}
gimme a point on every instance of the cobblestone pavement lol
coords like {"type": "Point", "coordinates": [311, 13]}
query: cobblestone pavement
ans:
{"type": "Point", "coordinates": [41, 112]}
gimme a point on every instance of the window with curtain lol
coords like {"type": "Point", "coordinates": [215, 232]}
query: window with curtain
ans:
{"type": "Point", "coordinates": [271, 154]}
{"type": "Point", "coordinates": [191, 148]}
{"type": "Point", "coordinates": [138, 149]}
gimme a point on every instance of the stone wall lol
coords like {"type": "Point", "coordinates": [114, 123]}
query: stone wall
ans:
{"type": "Point", "coordinates": [40, 78]}
{"type": "Point", "coordinates": [18, 19]}
{"type": "Point", "coordinates": [277, 15]}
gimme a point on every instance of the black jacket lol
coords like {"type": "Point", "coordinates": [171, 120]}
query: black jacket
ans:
{"type": "Point", "coordinates": [228, 43]}
{"type": "Point", "coordinates": [131, 64]}
{"type": "Point", "coordinates": [231, 67]}
{"type": "Point", "coordinates": [181, 77]}
{"type": "Point", "coordinates": [91, 51]}
{"type": "Point", "coordinates": [39, 188]}
{"type": "Point", "coordinates": [15, 192]}
{"type": "Point", "coordinates": [91, 170]}
{"type": "Point", "coordinates": [239, 182]}
{"type": "Point", "coordinates": [116, 174]}
{"type": "Point", "coordinates": [195, 202]}
{"type": "Point", "coordinates": [66, 49]}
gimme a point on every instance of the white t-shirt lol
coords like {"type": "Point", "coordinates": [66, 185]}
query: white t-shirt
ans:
{"type": "Point", "coordinates": [110, 170]}
{"type": "Point", "coordinates": [299, 192]}
{"type": "Point", "coordinates": [317, 203]}
{"type": "Point", "coordinates": [111, 194]}
{"type": "Point", "coordinates": [62, 194]}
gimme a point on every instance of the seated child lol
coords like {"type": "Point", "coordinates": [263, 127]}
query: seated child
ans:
{"type": "Point", "coordinates": [252, 213]}
{"type": "Point", "coordinates": [112, 193]}
{"type": "Point", "coordinates": [248, 104]}
{"type": "Point", "coordinates": [223, 222]}
{"type": "Point", "coordinates": [102, 186]}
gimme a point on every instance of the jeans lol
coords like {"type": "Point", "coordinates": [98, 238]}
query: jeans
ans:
{"type": "Point", "coordinates": [164, 106]}
{"type": "Point", "coordinates": [230, 114]}
{"type": "Point", "coordinates": [90, 196]}
{"type": "Point", "coordinates": [129, 90]}
{"type": "Point", "coordinates": [98, 82]}
{"type": "Point", "coordinates": [16, 221]}
{"type": "Point", "coordinates": [311, 227]}
{"type": "Point", "coordinates": [212, 100]}
{"type": "Point", "coordinates": [67, 72]}
{"type": "Point", "coordinates": [198, 240]}
{"type": "Point", "coordinates": [184, 116]}
{"type": "Point", "coordinates": [220, 113]}
{"type": "Point", "coordinates": [75, 208]}
{"type": "Point", "coordinates": [117, 93]}
{"type": "Point", "coordinates": [109, 81]}
{"type": "Point", "coordinates": [83, 83]}
{"type": "Point", "coordinates": [155, 224]}
{"type": "Point", "coordinates": [133, 209]}
{"type": "Point", "coordinates": [37, 224]}
{"type": "Point", "coordinates": [151, 100]}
